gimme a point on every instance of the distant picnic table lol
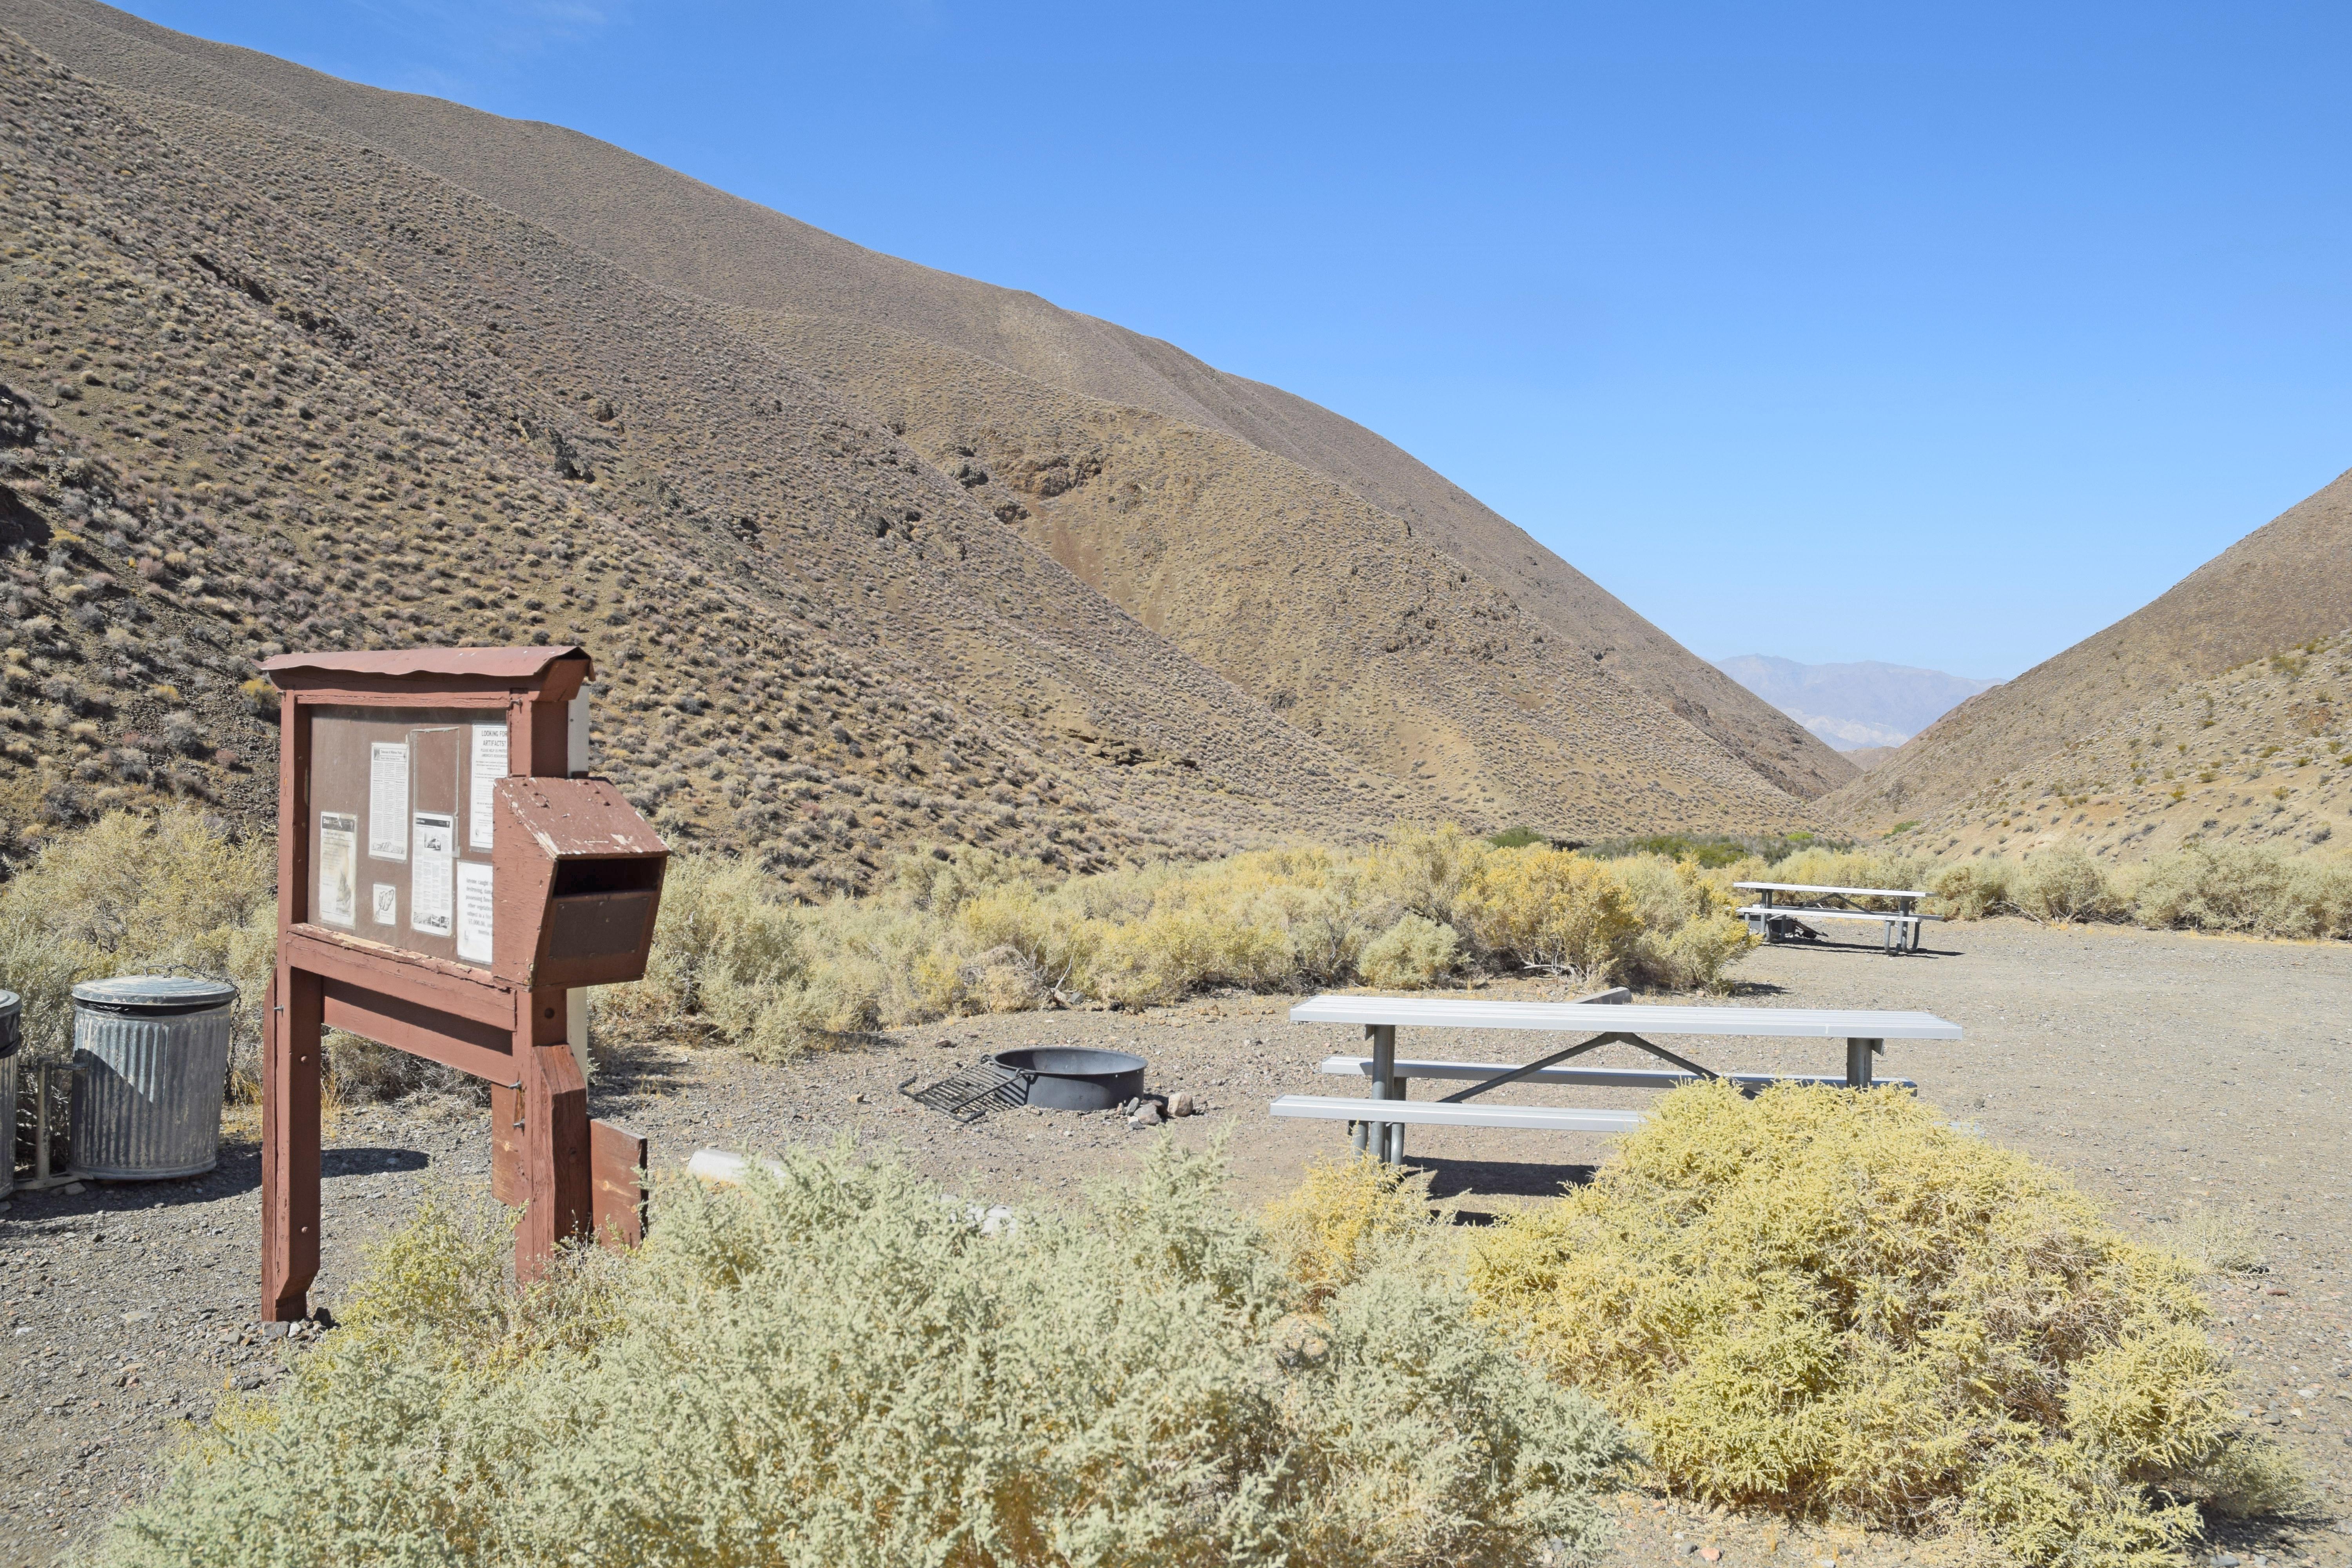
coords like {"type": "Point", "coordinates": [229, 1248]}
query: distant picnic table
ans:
{"type": "Point", "coordinates": [1782, 921]}
{"type": "Point", "coordinates": [1377, 1123]}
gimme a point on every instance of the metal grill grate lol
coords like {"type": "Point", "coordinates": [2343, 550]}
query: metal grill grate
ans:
{"type": "Point", "coordinates": [974, 1091]}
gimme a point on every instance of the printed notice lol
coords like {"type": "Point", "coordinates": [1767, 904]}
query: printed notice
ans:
{"type": "Point", "coordinates": [339, 868]}
{"type": "Point", "coordinates": [387, 904]}
{"type": "Point", "coordinates": [388, 800]}
{"type": "Point", "coordinates": [489, 767]}
{"type": "Point", "coordinates": [429, 890]}
{"type": "Point", "coordinates": [474, 911]}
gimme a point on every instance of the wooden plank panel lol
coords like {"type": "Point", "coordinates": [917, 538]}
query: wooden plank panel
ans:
{"type": "Point", "coordinates": [617, 1159]}
{"type": "Point", "coordinates": [482, 1050]}
{"type": "Point", "coordinates": [471, 993]}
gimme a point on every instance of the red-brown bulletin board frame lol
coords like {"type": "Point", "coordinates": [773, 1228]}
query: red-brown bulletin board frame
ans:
{"type": "Point", "coordinates": [461, 1014]}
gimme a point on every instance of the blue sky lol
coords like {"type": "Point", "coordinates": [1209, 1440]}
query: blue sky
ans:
{"type": "Point", "coordinates": [1943, 336]}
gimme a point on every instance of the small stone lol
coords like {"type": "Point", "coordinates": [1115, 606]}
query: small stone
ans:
{"type": "Point", "coordinates": [857, 1098]}
{"type": "Point", "coordinates": [1146, 1115]}
{"type": "Point", "coordinates": [1179, 1104]}
{"type": "Point", "coordinates": [2224, 1560]}
{"type": "Point", "coordinates": [132, 1319]}
{"type": "Point", "coordinates": [1711, 1553]}
{"type": "Point", "coordinates": [944, 1045]}
{"type": "Point", "coordinates": [73, 1189]}
{"type": "Point", "coordinates": [2277, 1290]}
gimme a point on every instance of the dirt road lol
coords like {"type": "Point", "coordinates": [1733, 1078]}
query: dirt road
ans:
{"type": "Point", "coordinates": [2164, 1071]}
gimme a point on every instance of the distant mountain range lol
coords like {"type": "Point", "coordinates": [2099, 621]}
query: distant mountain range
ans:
{"type": "Point", "coordinates": [1854, 707]}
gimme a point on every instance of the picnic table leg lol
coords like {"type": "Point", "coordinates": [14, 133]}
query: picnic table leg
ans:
{"type": "Point", "coordinates": [1384, 1083]}
{"type": "Point", "coordinates": [1397, 1091]}
{"type": "Point", "coordinates": [1857, 1062]}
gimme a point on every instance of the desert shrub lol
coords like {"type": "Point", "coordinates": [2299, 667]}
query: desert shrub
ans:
{"type": "Point", "coordinates": [1828, 868]}
{"type": "Point", "coordinates": [359, 1071]}
{"type": "Point", "coordinates": [1412, 955]}
{"type": "Point", "coordinates": [1711, 851]}
{"type": "Point", "coordinates": [1330, 1230]}
{"type": "Point", "coordinates": [2063, 887]}
{"type": "Point", "coordinates": [2200, 886]}
{"type": "Point", "coordinates": [835, 1366]}
{"type": "Point", "coordinates": [2235, 888]}
{"type": "Point", "coordinates": [1685, 933]}
{"type": "Point", "coordinates": [1836, 1305]}
{"type": "Point", "coordinates": [1426, 868]}
{"type": "Point", "coordinates": [728, 960]}
{"type": "Point", "coordinates": [2219, 1242]}
{"type": "Point", "coordinates": [1974, 889]}
{"type": "Point", "coordinates": [135, 895]}
{"type": "Point", "coordinates": [1549, 908]}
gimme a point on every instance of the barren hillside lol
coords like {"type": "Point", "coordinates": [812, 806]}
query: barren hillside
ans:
{"type": "Point", "coordinates": [676, 231]}
{"type": "Point", "coordinates": [2254, 756]}
{"type": "Point", "coordinates": [229, 429]}
{"type": "Point", "coordinates": [2281, 584]}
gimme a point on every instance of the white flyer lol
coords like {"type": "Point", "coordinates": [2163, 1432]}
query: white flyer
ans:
{"type": "Point", "coordinates": [489, 767]}
{"type": "Point", "coordinates": [339, 868]}
{"type": "Point", "coordinates": [387, 904]}
{"type": "Point", "coordinates": [473, 912]}
{"type": "Point", "coordinates": [388, 800]}
{"type": "Point", "coordinates": [429, 880]}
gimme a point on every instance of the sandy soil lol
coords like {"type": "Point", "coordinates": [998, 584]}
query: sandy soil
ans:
{"type": "Point", "coordinates": [2164, 1071]}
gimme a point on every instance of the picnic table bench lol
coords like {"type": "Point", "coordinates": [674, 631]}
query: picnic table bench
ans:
{"type": "Point", "coordinates": [1377, 1123]}
{"type": "Point", "coordinates": [1773, 921]}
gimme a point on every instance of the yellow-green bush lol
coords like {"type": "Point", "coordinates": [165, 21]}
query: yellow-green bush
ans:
{"type": "Point", "coordinates": [964, 932]}
{"type": "Point", "coordinates": [950, 933]}
{"type": "Point", "coordinates": [1344, 1216]}
{"type": "Point", "coordinates": [2063, 886]}
{"type": "Point", "coordinates": [1686, 932]}
{"type": "Point", "coordinates": [1551, 908]}
{"type": "Point", "coordinates": [1414, 954]}
{"type": "Point", "coordinates": [2235, 888]}
{"type": "Point", "coordinates": [1836, 1305]}
{"type": "Point", "coordinates": [2253, 889]}
{"type": "Point", "coordinates": [834, 1367]}
{"type": "Point", "coordinates": [138, 895]}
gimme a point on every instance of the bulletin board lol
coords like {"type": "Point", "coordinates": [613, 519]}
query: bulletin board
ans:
{"type": "Point", "coordinates": [400, 826]}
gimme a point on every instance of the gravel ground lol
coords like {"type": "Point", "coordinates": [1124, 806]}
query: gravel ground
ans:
{"type": "Point", "coordinates": [2166, 1072]}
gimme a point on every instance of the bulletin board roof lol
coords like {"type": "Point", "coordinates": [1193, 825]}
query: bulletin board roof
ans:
{"type": "Point", "coordinates": [492, 663]}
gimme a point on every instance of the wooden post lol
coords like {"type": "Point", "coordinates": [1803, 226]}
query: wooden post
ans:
{"type": "Point", "coordinates": [290, 1144]}
{"type": "Point", "coordinates": [554, 1133]}
{"type": "Point", "coordinates": [509, 1181]}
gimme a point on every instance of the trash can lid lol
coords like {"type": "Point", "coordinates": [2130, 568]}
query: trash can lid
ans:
{"type": "Point", "coordinates": [154, 996]}
{"type": "Point", "coordinates": [10, 1003]}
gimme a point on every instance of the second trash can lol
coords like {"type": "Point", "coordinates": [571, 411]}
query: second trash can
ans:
{"type": "Point", "coordinates": [151, 1060]}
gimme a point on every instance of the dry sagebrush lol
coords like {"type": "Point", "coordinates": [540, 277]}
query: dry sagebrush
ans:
{"type": "Point", "coordinates": [1834, 1305]}
{"type": "Point", "coordinates": [134, 894]}
{"type": "Point", "coordinates": [972, 933]}
{"type": "Point", "coordinates": [834, 1367]}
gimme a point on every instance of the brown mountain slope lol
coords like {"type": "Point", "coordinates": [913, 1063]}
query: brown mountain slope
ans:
{"type": "Point", "coordinates": [1332, 612]}
{"type": "Point", "coordinates": [2288, 581]}
{"type": "Point", "coordinates": [1523, 733]}
{"type": "Point", "coordinates": [674, 230]}
{"type": "Point", "coordinates": [2252, 755]}
{"type": "Point", "coordinates": [231, 426]}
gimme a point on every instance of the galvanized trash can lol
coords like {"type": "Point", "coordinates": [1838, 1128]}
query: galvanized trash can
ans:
{"type": "Point", "coordinates": [151, 1060]}
{"type": "Point", "coordinates": [12, 1040]}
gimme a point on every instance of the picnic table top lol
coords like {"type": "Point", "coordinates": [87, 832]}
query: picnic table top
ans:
{"type": "Point", "coordinates": [1776, 1023]}
{"type": "Point", "coordinates": [1849, 892]}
